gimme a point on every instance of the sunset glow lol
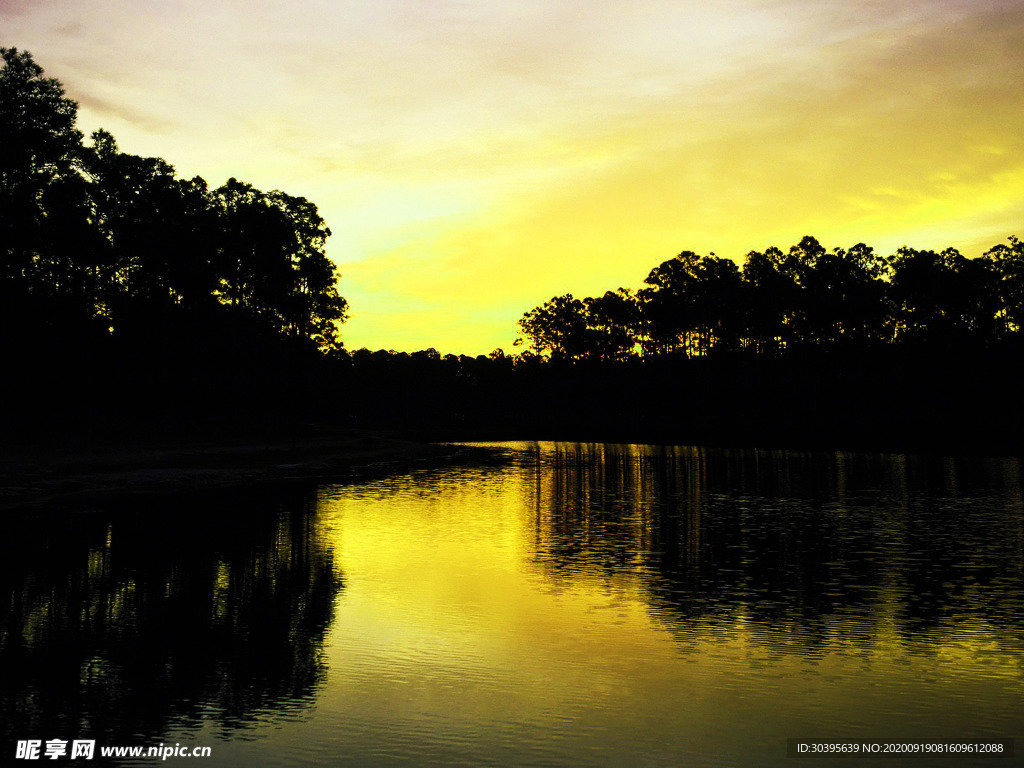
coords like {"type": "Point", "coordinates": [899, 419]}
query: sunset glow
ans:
{"type": "Point", "coordinates": [475, 159]}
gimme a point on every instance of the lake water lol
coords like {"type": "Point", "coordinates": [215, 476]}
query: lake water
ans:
{"type": "Point", "coordinates": [531, 604]}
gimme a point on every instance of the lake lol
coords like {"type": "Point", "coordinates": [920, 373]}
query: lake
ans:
{"type": "Point", "coordinates": [534, 604]}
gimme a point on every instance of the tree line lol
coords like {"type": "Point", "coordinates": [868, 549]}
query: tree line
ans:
{"type": "Point", "coordinates": [93, 236]}
{"type": "Point", "coordinates": [805, 298]}
{"type": "Point", "coordinates": [132, 299]}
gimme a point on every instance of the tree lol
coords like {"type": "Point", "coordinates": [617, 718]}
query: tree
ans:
{"type": "Point", "coordinates": [273, 265]}
{"type": "Point", "coordinates": [38, 137]}
{"type": "Point", "coordinates": [843, 296]}
{"type": "Point", "coordinates": [558, 328]}
{"type": "Point", "coordinates": [612, 325]}
{"type": "Point", "coordinates": [149, 220]}
{"type": "Point", "coordinates": [691, 304]}
{"type": "Point", "coordinates": [773, 298]}
{"type": "Point", "coordinates": [668, 309]}
{"type": "Point", "coordinates": [313, 308]}
{"type": "Point", "coordinates": [163, 297]}
{"type": "Point", "coordinates": [40, 150]}
{"type": "Point", "coordinates": [943, 297]}
{"type": "Point", "coordinates": [1007, 264]}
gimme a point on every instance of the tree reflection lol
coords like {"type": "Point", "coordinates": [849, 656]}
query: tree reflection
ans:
{"type": "Point", "coordinates": [169, 613]}
{"type": "Point", "coordinates": [829, 547]}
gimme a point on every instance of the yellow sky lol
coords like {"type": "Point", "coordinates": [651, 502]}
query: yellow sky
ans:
{"type": "Point", "coordinates": [474, 159]}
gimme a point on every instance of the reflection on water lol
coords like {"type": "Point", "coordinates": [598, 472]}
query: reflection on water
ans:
{"type": "Point", "coordinates": [539, 604]}
{"type": "Point", "coordinates": [118, 626]}
{"type": "Point", "coordinates": [842, 548]}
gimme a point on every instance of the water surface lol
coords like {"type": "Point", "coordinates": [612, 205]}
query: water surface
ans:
{"type": "Point", "coordinates": [535, 604]}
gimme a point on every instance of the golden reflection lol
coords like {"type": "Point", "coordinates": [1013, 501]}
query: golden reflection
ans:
{"type": "Point", "coordinates": [580, 597]}
{"type": "Point", "coordinates": [810, 555]}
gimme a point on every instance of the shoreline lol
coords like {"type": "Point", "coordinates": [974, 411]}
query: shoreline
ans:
{"type": "Point", "coordinates": [45, 477]}
{"type": "Point", "coordinates": [67, 476]}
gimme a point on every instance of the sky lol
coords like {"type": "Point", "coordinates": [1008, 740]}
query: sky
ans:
{"type": "Point", "coordinates": [474, 158]}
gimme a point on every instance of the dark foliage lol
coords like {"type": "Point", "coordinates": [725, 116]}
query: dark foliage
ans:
{"type": "Point", "coordinates": [805, 347]}
{"type": "Point", "coordinates": [783, 303]}
{"type": "Point", "coordinates": [894, 398]}
{"type": "Point", "coordinates": [839, 348]}
{"type": "Point", "coordinates": [132, 299]}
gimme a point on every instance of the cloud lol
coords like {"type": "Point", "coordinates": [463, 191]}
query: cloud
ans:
{"type": "Point", "coordinates": [106, 109]}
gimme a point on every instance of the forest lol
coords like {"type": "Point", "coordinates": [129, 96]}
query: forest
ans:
{"type": "Point", "coordinates": [136, 302]}
{"type": "Point", "coordinates": [130, 297]}
{"type": "Point", "coordinates": [96, 237]}
{"type": "Point", "coordinates": [803, 298]}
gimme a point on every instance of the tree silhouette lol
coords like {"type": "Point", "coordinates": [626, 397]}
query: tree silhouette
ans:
{"type": "Point", "coordinates": [942, 298]}
{"type": "Point", "coordinates": [843, 295]}
{"type": "Point", "coordinates": [808, 298]}
{"type": "Point", "coordinates": [273, 262]}
{"type": "Point", "coordinates": [603, 328]}
{"type": "Point", "coordinates": [772, 299]}
{"type": "Point", "coordinates": [1008, 266]}
{"type": "Point", "coordinates": [40, 189]}
{"type": "Point", "coordinates": [557, 328]}
{"type": "Point", "coordinates": [690, 303]}
{"type": "Point", "coordinates": [157, 231]}
{"type": "Point", "coordinates": [613, 325]}
{"type": "Point", "coordinates": [128, 239]}
{"type": "Point", "coordinates": [312, 307]}
{"type": "Point", "coordinates": [141, 286]}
